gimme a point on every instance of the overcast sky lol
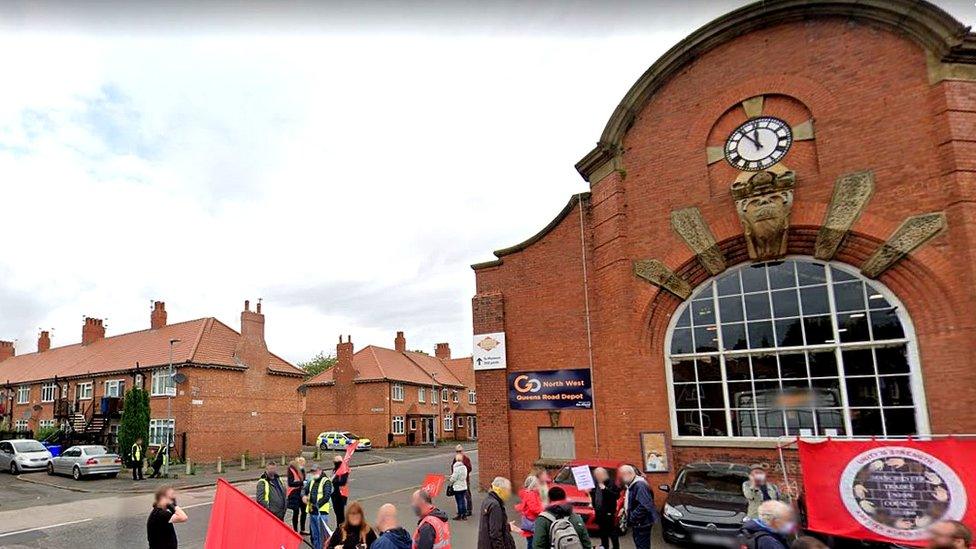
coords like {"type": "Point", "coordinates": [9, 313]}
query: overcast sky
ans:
{"type": "Point", "coordinates": [345, 161]}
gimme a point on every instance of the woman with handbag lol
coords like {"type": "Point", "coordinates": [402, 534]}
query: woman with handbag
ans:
{"type": "Point", "coordinates": [457, 486]}
{"type": "Point", "coordinates": [529, 507]}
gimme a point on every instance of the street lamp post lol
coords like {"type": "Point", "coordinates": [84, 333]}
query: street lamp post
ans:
{"type": "Point", "coordinates": [434, 397]}
{"type": "Point", "coordinates": [170, 432]}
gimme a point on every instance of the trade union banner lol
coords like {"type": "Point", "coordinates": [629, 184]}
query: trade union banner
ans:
{"type": "Point", "coordinates": [550, 390]}
{"type": "Point", "coordinates": [887, 491]}
{"type": "Point", "coordinates": [239, 522]}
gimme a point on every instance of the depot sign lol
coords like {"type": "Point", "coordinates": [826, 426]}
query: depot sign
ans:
{"type": "Point", "coordinates": [550, 390]}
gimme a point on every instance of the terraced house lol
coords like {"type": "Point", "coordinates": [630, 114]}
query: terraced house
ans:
{"type": "Point", "coordinates": [232, 395]}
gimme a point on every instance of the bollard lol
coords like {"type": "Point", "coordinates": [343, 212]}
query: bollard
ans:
{"type": "Point", "coordinates": [283, 461]}
{"type": "Point", "coordinates": [189, 468]}
{"type": "Point", "coordinates": [243, 462]}
{"type": "Point", "coordinates": [264, 461]}
{"type": "Point", "coordinates": [220, 466]}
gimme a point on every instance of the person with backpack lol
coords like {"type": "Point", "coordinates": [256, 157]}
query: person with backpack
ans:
{"type": "Point", "coordinates": [558, 527]}
{"type": "Point", "coordinates": [771, 529]}
{"type": "Point", "coordinates": [639, 509]}
{"type": "Point", "coordinates": [494, 530]}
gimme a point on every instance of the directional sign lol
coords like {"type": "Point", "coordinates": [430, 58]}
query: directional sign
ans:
{"type": "Point", "coordinates": [489, 351]}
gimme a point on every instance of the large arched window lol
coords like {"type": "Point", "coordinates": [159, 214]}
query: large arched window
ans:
{"type": "Point", "coordinates": [795, 347]}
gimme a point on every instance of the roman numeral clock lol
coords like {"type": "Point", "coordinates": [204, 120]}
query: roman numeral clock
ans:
{"type": "Point", "coordinates": [758, 144]}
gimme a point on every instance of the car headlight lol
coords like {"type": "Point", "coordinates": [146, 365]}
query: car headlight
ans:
{"type": "Point", "coordinates": [671, 512]}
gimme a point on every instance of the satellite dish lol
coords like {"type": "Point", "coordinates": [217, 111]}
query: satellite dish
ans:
{"type": "Point", "coordinates": [179, 378]}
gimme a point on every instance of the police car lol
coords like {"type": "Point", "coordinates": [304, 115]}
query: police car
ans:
{"type": "Point", "coordinates": [340, 440]}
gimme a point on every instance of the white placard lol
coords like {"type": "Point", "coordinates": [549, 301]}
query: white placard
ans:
{"type": "Point", "coordinates": [489, 351]}
{"type": "Point", "coordinates": [584, 479]}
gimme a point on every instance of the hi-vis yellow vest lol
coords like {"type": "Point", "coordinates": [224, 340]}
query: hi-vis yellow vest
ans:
{"type": "Point", "coordinates": [136, 452]}
{"type": "Point", "coordinates": [325, 508]}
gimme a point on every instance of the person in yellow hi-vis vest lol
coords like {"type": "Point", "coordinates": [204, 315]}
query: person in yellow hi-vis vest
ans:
{"type": "Point", "coordinates": [135, 459]}
{"type": "Point", "coordinates": [270, 492]}
{"type": "Point", "coordinates": [319, 504]}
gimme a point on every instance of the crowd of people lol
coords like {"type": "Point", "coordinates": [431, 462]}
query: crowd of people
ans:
{"type": "Point", "coordinates": [546, 518]}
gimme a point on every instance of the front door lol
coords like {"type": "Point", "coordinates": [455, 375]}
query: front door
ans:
{"type": "Point", "coordinates": [427, 424]}
{"type": "Point", "coordinates": [472, 427]}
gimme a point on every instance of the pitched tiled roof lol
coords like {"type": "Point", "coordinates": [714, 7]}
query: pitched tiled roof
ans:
{"type": "Point", "coordinates": [205, 342]}
{"type": "Point", "coordinates": [463, 369]}
{"type": "Point", "coordinates": [374, 363]}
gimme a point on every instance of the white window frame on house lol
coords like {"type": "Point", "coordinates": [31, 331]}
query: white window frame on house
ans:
{"type": "Point", "coordinates": [855, 384]}
{"type": "Point", "coordinates": [398, 427]}
{"type": "Point", "coordinates": [48, 390]}
{"type": "Point", "coordinates": [84, 390]}
{"type": "Point", "coordinates": [456, 396]}
{"type": "Point", "coordinates": [472, 397]}
{"type": "Point", "coordinates": [421, 394]}
{"type": "Point", "coordinates": [448, 422]}
{"type": "Point", "coordinates": [434, 393]}
{"type": "Point", "coordinates": [162, 384]}
{"type": "Point", "coordinates": [23, 394]}
{"type": "Point", "coordinates": [445, 395]}
{"type": "Point", "coordinates": [117, 387]}
{"type": "Point", "coordinates": [21, 425]}
{"type": "Point", "coordinates": [396, 392]}
{"type": "Point", "coordinates": [45, 423]}
{"type": "Point", "coordinates": [158, 430]}
{"type": "Point", "coordinates": [413, 424]}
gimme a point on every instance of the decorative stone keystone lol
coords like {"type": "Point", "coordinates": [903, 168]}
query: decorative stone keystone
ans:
{"type": "Point", "coordinates": [851, 194]}
{"type": "Point", "coordinates": [660, 275]}
{"type": "Point", "coordinates": [909, 236]}
{"type": "Point", "coordinates": [693, 229]}
{"type": "Point", "coordinates": [764, 202]}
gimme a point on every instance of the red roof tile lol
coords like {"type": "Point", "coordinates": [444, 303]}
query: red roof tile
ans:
{"type": "Point", "coordinates": [374, 363]}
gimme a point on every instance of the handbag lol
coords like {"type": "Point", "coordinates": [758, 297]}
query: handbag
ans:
{"type": "Point", "coordinates": [450, 491]}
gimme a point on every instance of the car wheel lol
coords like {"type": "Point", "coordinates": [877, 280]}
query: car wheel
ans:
{"type": "Point", "coordinates": [76, 473]}
{"type": "Point", "coordinates": [13, 468]}
{"type": "Point", "coordinates": [50, 469]}
{"type": "Point", "coordinates": [112, 475]}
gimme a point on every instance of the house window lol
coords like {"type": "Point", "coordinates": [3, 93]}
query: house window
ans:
{"type": "Point", "coordinates": [472, 397]}
{"type": "Point", "coordinates": [422, 395]}
{"type": "Point", "coordinates": [448, 422]}
{"type": "Point", "coordinates": [455, 396]}
{"type": "Point", "coordinates": [557, 443]}
{"type": "Point", "coordinates": [162, 384]}
{"type": "Point", "coordinates": [397, 392]}
{"type": "Point", "coordinates": [21, 425]}
{"type": "Point", "coordinates": [83, 391]}
{"type": "Point", "coordinates": [47, 392]}
{"type": "Point", "coordinates": [445, 394]}
{"type": "Point", "coordinates": [115, 388]}
{"type": "Point", "coordinates": [413, 424]}
{"type": "Point", "coordinates": [23, 394]}
{"type": "Point", "coordinates": [433, 395]}
{"type": "Point", "coordinates": [793, 348]}
{"type": "Point", "coordinates": [398, 425]}
{"type": "Point", "coordinates": [161, 430]}
{"type": "Point", "coordinates": [45, 423]}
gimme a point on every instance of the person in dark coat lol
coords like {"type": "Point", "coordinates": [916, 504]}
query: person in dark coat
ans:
{"type": "Point", "coordinates": [638, 506]}
{"type": "Point", "coordinates": [776, 521]}
{"type": "Point", "coordinates": [604, 498]}
{"type": "Point", "coordinates": [296, 481]}
{"type": "Point", "coordinates": [354, 533]}
{"type": "Point", "coordinates": [269, 491]}
{"type": "Point", "coordinates": [340, 491]}
{"type": "Point", "coordinates": [494, 530]}
{"type": "Point", "coordinates": [558, 508]}
{"type": "Point", "coordinates": [157, 464]}
{"type": "Point", "coordinates": [391, 534]}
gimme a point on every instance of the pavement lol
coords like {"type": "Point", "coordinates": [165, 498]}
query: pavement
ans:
{"type": "Point", "coordinates": [34, 516]}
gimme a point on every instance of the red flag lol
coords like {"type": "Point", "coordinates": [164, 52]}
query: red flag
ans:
{"type": "Point", "coordinates": [433, 484]}
{"type": "Point", "coordinates": [888, 491]}
{"type": "Point", "coordinates": [239, 522]}
{"type": "Point", "coordinates": [350, 450]}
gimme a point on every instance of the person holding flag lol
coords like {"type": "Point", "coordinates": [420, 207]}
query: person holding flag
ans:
{"type": "Point", "coordinates": [318, 504]}
{"type": "Point", "coordinates": [340, 488]}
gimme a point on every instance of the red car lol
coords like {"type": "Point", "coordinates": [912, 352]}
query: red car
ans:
{"type": "Point", "coordinates": [580, 499]}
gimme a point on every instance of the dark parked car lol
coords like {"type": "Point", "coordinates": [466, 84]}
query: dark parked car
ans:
{"type": "Point", "coordinates": [705, 506]}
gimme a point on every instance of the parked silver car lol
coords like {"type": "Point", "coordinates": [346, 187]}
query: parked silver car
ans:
{"type": "Point", "coordinates": [21, 455]}
{"type": "Point", "coordinates": [83, 461]}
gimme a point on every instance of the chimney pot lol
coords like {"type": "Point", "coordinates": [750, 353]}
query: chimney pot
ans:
{"type": "Point", "coordinates": [7, 350]}
{"type": "Point", "coordinates": [157, 319]}
{"type": "Point", "coordinates": [247, 304]}
{"type": "Point", "coordinates": [443, 351]}
{"type": "Point", "coordinates": [400, 343]}
{"type": "Point", "coordinates": [44, 341]}
{"type": "Point", "coordinates": [92, 331]}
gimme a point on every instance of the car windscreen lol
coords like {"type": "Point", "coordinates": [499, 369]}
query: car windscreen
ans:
{"type": "Point", "coordinates": [96, 451]}
{"type": "Point", "coordinates": [719, 483]}
{"type": "Point", "coordinates": [565, 477]}
{"type": "Point", "coordinates": [28, 446]}
{"type": "Point", "coordinates": [350, 435]}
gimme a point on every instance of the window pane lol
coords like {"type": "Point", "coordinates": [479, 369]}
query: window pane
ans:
{"type": "Point", "coordinates": [760, 335]}
{"type": "Point", "coordinates": [886, 325]}
{"type": "Point", "coordinates": [892, 360]}
{"type": "Point", "coordinates": [713, 423]}
{"type": "Point", "coordinates": [900, 421]}
{"type": "Point", "coordinates": [764, 367]}
{"type": "Point", "coordinates": [814, 300]}
{"type": "Point", "coordinates": [734, 336]}
{"type": "Point", "coordinates": [810, 273]}
{"type": "Point", "coordinates": [706, 340]}
{"type": "Point", "coordinates": [685, 396]}
{"type": "Point", "coordinates": [849, 296]}
{"type": "Point", "coordinates": [818, 330]}
{"type": "Point", "coordinates": [757, 306]}
{"type": "Point", "coordinates": [781, 275]}
{"type": "Point", "coordinates": [852, 327]}
{"type": "Point", "coordinates": [744, 423]}
{"type": "Point", "coordinates": [681, 341]}
{"type": "Point", "coordinates": [799, 419]}
{"type": "Point", "coordinates": [689, 423]}
{"type": "Point", "coordinates": [736, 368]}
{"type": "Point", "coordinates": [896, 391]}
{"type": "Point", "coordinates": [730, 308]}
{"type": "Point", "coordinates": [786, 303]}
{"type": "Point", "coordinates": [706, 293]}
{"type": "Point", "coordinates": [823, 364]}
{"type": "Point", "coordinates": [771, 423]}
{"type": "Point", "coordinates": [840, 275]}
{"type": "Point", "coordinates": [866, 421]}
{"type": "Point", "coordinates": [753, 278]}
{"type": "Point", "coordinates": [830, 422]}
{"type": "Point", "coordinates": [711, 395]}
{"type": "Point", "coordinates": [862, 391]}
{"type": "Point", "coordinates": [789, 333]}
{"type": "Point", "coordinates": [740, 394]}
{"type": "Point", "coordinates": [708, 370]}
{"type": "Point", "coordinates": [683, 371]}
{"type": "Point", "coordinates": [703, 312]}
{"type": "Point", "coordinates": [858, 363]}
{"type": "Point", "coordinates": [793, 365]}
{"type": "Point", "coordinates": [876, 300]}
{"type": "Point", "coordinates": [827, 391]}
{"type": "Point", "coordinates": [685, 319]}
{"type": "Point", "coordinates": [728, 284]}
{"type": "Point", "coordinates": [767, 393]}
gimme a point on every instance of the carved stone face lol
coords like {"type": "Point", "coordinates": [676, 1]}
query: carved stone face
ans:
{"type": "Point", "coordinates": [765, 219]}
{"type": "Point", "coordinates": [768, 207]}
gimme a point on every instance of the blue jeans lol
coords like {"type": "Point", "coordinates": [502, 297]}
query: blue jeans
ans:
{"type": "Point", "coordinates": [528, 542]}
{"type": "Point", "coordinates": [642, 537]}
{"type": "Point", "coordinates": [318, 524]}
{"type": "Point", "coordinates": [460, 498]}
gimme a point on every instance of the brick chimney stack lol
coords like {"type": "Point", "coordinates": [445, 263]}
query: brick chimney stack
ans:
{"type": "Point", "coordinates": [252, 322]}
{"type": "Point", "coordinates": [344, 374]}
{"type": "Point", "coordinates": [7, 350]}
{"type": "Point", "coordinates": [92, 331]}
{"type": "Point", "coordinates": [43, 341]}
{"type": "Point", "coordinates": [443, 351]}
{"type": "Point", "coordinates": [157, 319]}
{"type": "Point", "coordinates": [400, 343]}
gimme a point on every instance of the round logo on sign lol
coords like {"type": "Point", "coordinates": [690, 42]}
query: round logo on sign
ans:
{"type": "Point", "coordinates": [898, 492]}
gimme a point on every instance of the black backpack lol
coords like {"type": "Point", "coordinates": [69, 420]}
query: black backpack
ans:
{"type": "Point", "coordinates": [750, 540]}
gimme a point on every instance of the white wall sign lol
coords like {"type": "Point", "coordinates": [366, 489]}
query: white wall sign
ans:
{"type": "Point", "coordinates": [489, 351]}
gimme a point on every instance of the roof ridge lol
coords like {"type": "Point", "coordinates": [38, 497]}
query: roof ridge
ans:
{"type": "Point", "coordinates": [116, 336]}
{"type": "Point", "coordinates": [379, 363]}
{"type": "Point", "coordinates": [199, 338]}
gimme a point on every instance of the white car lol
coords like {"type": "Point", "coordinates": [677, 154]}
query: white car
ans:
{"type": "Point", "coordinates": [87, 460]}
{"type": "Point", "coordinates": [340, 440]}
{"type": "Point", "coordinates": [17, 456]}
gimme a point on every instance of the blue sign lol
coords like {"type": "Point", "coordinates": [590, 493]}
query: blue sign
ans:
{"type": "Point", "coordinates": [550, 390]}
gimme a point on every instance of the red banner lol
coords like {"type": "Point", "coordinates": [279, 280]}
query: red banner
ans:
{"type": "Point", "coordinates": [350, 450]}
{"type": "Point", "coordinates": [433, 484]}
{"type": "Point", "coordinates": [239, 522]}
{"type": "Point", "coordinates": [888, 491]}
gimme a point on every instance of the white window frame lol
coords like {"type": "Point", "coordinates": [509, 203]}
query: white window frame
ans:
{"type": "Point", "coordinates": [158, 430]}
{"type": "Point", "coordinates": [118, 385]}
{"type": "Point", "coordinates": [399, 425]}
{"type": "Point", "coordinates": [422, 394]}
{"type": "Point", "coordinates": [910, 341]}
{"type": "Point", "coordinates": [413, 424]}
{"type": "Point", "coordinates": [448, 422]}
{"type": "Point", "coordinates": [23, 394]}
{"type": "Point", "coordinates": [396, 392]}
{"type": "Point", "coordinates": [434, 396]}
{"type": "Point", "coordinates": [472, 397]}
{"type": "Point", "coordinates": [48, 391]}
{"type": "Point", "coordinates": [445, 395]}
{"type": "Point", "coordinates": [455, 396]}
{"type": "Point", "coordinates": [45, 423]}
{"type": "Point", "coordinates": [162, 384]}
{"type": "Point", "coordinates": [21, 425]}
{"type": "Point", "coordinates": [84, 390]}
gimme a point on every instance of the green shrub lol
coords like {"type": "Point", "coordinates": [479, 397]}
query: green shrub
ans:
{"type": "Point", "coordinates": [135, 421]}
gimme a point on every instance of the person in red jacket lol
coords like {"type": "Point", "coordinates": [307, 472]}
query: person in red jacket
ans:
{"type": "Point", "coordinates": [529, 507]}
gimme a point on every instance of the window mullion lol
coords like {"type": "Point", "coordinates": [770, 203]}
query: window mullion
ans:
{"type": "Point", "coordinates": [838, 356]}
{"type": "Point", "coordinates": [721, 359]}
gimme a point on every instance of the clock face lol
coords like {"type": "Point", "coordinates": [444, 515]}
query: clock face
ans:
{"type": "Point", "coordinates": [758, 144]}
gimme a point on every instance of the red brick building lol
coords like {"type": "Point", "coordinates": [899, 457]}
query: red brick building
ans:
{"type": "Point", "coordinates": [777, 241]}
{"type": "Point", "coordinates": [375, 392]}
{"type": "Point", "coordinates": [237, 397]}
